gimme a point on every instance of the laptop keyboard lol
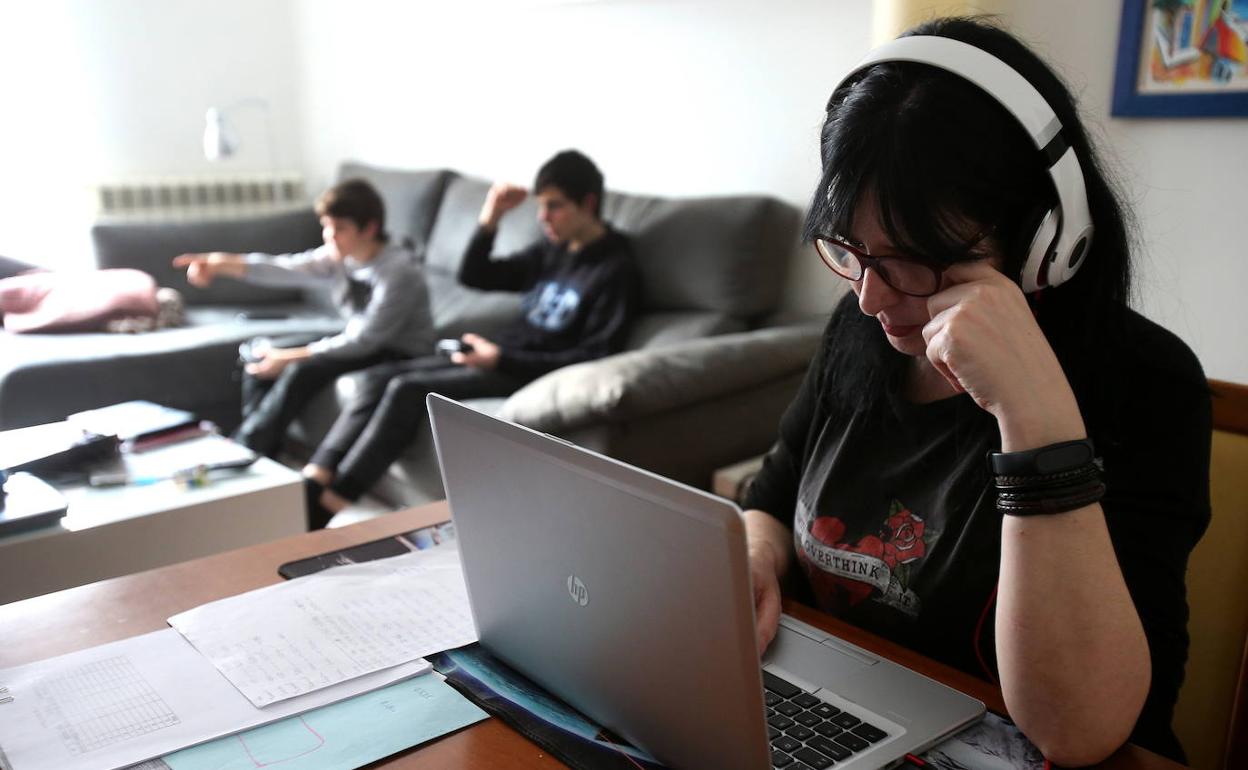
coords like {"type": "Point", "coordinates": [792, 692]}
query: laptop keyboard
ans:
{"type": "Point", "coordinates": [808, 733]}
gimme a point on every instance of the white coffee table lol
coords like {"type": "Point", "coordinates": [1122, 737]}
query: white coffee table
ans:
{"type": "Point", "coordinates": [111, 531]}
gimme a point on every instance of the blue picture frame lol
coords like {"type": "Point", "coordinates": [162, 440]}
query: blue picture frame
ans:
{"type": "Point", "coordinates": [1128, 102]}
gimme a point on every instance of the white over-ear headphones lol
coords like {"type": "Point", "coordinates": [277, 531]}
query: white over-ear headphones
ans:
{"type": "Point", "coordinates": [1063, 233]}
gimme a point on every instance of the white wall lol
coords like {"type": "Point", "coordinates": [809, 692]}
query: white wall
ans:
{"type": "Point", "coordinates": [1184, 177]}
{"type": "Point", "coordinates": [45, 139]}
{"type": "Point", "coordinates": [107, 90]}
{"type": "Point", "coordinates": [672, 97]}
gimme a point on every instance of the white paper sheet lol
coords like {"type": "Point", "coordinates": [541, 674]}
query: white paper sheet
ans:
{"type": "Point", "coordinates": [128, 701]}
{"type": "Point", "coordinates": [292, 638]}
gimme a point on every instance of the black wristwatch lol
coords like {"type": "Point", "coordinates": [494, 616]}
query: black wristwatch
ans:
{"type": "Point", "coordinates": [1045, 460]}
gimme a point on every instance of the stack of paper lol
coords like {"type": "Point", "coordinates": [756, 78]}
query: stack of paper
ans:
{"type": "Point", "coordinates": [251, 660]}
{"type": "Point", "coordinates": [293, 638]}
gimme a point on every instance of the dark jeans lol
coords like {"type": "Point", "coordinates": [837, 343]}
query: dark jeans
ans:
{"type": "Point", "coordinates": [270, 406]}
{"type": "Point", "coordinates": [389, 409]}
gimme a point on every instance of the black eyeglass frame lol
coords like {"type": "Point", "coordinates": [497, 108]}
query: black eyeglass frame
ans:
{"type": "Point", "coordinates": [866, 261]}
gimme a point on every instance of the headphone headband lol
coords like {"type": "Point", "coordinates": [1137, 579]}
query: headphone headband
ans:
{"type": "Point", "coordinates": [1051, 260]}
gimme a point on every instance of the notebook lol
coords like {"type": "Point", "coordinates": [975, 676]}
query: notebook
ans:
{"type": "Point", "coordinates": [628, 595]}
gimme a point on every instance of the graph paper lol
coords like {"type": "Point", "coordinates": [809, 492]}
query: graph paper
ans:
{"type": "Point", "coordinates": [102, 703]}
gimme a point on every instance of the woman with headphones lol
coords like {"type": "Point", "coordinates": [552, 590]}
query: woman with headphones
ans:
{"type": "Point", "coordinates": [993, 460]}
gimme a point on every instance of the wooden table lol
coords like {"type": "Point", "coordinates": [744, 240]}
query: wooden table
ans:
{"type": "Point", "coordinates": [114, 609]}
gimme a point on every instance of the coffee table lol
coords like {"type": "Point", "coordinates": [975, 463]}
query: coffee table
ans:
{"type": "Point", "coordinates": [112, 531]}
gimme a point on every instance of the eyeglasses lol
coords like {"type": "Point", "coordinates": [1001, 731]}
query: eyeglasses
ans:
{"type": "Point", "coordinates": [913, 276]}
{"type": "Point", "coordinates": [909, 275]}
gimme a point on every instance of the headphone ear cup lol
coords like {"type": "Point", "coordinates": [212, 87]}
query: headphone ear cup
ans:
{"type": "Point", "coordinates": [1032, 247]}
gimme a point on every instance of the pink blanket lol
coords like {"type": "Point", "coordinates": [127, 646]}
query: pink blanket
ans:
{"type": "Point", "coordinates": [75, 300]}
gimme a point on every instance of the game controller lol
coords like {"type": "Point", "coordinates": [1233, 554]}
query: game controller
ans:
{"type": "Point", "coordinates": [448, 346]}
{"type": "Point", "coordinates": [252, 351]}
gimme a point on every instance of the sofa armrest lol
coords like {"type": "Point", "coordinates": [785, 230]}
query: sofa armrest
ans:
{"type": "Point", "coordinates": [151, 247]}
{"type": "Point", "coordinates": [640, 383]}
{"type": "Point", "coordinates": [11, 267]}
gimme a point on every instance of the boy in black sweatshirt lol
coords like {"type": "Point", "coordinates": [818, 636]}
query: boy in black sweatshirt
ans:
{"type": "Point", "coordinates": [581, 295]}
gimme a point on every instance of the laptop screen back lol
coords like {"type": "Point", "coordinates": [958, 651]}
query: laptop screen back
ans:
{"type": "Point", "coordinates": [625, 594]}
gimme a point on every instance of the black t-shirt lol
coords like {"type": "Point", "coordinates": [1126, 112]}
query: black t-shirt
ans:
{"type": "Point", "coordinates": [578, 306]}
{"type": "Point", "coordinates": [895, 523]}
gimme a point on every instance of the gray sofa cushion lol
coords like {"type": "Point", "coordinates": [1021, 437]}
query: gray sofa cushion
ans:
{"type": "Point", "coordinates": [632, 385]}
{"type": "Point", "coordinates": [721, 254]}
{"type": "Point", "coordinates": [653, 330]}
{"type": "Point", "coordinates": [152, 247]}
{"type": "Point", "coordinates": [457, 219]}
{"type": "Point", "coordinates": [457, 309]}
{"type": "Point", "coordinates": [411, 199]}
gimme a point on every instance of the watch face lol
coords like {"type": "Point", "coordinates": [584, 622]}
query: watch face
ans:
{"type": "Point", "coordinates": [1042, 461]}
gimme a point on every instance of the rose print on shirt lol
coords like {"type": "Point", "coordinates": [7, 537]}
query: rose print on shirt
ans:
{"type": "Point", "coordinates": [903, 541]}
{"type": "Point", "coordinates": [878, 566]}
{"type": "Point", "coordinates": [904, 531]}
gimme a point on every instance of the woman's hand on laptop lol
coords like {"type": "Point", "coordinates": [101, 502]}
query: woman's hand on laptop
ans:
{"type": "Point", "coordinates": [766, 594]}
{"type": "Point", "coordinates": [769, 551]}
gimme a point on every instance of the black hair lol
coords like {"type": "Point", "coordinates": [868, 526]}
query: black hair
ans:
{"type": "Point", "coordinates": [575, 175]}
{"type": "Point", "coordinates": [945, 160]}
{"type": "Point", "coordinates": [355, 200]}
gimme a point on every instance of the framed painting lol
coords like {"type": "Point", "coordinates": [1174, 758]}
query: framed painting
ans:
{"type": "Point", "coordinates": [1181, 58]}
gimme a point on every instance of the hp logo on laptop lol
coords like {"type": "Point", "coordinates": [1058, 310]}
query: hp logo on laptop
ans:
{"type": "Point", "coordinates": [577, 590]}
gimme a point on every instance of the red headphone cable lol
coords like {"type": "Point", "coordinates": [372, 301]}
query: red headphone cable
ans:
{"type": "Point", "coordinates": [979, 630]}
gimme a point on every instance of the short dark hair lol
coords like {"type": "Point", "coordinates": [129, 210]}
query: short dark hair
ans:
{"type": "Point", "coordinates": [575, 175]}
{"type": "Point", "coordinates": [937, 151]}
{"type": "Point", "coordinates": [355, 200]}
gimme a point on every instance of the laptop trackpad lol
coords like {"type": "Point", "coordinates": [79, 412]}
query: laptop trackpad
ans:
{"type": "Point", "coordinates": [823, 664]}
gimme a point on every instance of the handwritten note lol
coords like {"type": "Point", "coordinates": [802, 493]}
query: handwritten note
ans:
{"type": "Point", "coordinates": [293, 638]}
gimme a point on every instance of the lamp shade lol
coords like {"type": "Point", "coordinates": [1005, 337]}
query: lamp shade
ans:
{"type": "Point", "coordinates": [220, 141]}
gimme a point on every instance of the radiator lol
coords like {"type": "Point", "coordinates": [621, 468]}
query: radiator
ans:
{"type": "Point", "coordinates": [199, 197]}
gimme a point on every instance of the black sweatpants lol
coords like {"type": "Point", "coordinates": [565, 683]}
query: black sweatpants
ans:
{"type": "Point", "coordinates": [389, 410]}
{"type": "Point", "coordinates": [270, 406]}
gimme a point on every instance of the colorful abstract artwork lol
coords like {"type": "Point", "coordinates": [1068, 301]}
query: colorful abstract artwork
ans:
{"type": "Point", "coordinates": [1182, 58]}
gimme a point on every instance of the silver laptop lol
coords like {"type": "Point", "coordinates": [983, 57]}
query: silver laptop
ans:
{"type": "Point", "coordinates": [628, 595]}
